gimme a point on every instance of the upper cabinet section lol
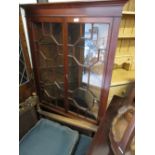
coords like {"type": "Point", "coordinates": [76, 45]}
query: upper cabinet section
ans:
{"type": "Point", "coordinates": [91, 8]}
{"type": "Point", "coordinates": [73, 47]}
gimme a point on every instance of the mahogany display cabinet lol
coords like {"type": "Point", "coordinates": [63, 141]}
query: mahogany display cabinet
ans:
{"type": "Point", "coordinates": [73, 47]}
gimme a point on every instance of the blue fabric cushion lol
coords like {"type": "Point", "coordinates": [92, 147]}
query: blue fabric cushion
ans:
{"type": "Point", "coordinates": [48, 138]}
{"type": "Point", "coordinates": [83, 145]}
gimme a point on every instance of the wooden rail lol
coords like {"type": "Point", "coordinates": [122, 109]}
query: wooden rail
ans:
{"type": "Point", "coordinates": [74, 122]}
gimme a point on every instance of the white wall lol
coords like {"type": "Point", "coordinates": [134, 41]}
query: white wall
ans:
{"type": "Point", "coordinates": [27, 1]}
{"type": "Point", "coordinates": [34, 1]}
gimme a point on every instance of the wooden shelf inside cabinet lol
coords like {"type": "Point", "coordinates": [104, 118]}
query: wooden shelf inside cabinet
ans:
{"type": "Point", "coordinates": [128, 13]}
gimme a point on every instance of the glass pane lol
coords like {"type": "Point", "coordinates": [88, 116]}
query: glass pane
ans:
{"type": "Point", "coordinates": [48, 39]}
{"type": "Point", "coordinates": [87, 46]}
{"type": "Point", "coordinates": [23, 75]}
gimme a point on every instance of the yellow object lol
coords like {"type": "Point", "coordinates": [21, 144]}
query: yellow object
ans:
{"type": "Point", "coordinates": [124, 64]}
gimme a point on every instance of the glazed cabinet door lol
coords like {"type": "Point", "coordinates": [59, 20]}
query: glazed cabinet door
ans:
{"type": "Point", "coordinates": [49, 60]}
{"type": "Point", "coordinates": [70, 57]}
{"type": "Point", "coordinates": [87, 50]}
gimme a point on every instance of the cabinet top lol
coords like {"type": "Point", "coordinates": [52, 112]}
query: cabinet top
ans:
{"type": "Point", "coordinates": [73, 4]}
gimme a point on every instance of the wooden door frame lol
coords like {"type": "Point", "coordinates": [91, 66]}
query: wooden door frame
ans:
{"type": "Point", "coordinates": [104, 20]}
{"type": "Point", "coordinates": [109, 66]}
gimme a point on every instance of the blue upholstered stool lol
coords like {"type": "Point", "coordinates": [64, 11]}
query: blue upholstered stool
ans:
{"type": "Point", "coordinates": [83, 145]}
{"type": "Point", "coordinates": [49, 138]}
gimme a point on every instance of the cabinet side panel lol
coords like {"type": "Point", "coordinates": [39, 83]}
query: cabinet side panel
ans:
{"type": "Point", "coordinates": [33, 54]}
{"type": "Point", "coordinates": [109, 67]}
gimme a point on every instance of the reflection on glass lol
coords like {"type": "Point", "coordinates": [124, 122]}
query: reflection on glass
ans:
{"type": "Point", "coordinates": [94, 49]}
{"type": "Point", "coordinates": [87, 46]}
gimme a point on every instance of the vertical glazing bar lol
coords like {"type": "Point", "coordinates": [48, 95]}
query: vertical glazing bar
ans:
{"type": "Point", "coordinates": [51, 29]}
{"type": "Point", "coordinates": [81, 32]}
{"type": "Point", "coordinates": [81, 56]}
{"type": "Point", "coordinates": [65, 49]}
{"type": "Point", "coordinates": [42, 28]}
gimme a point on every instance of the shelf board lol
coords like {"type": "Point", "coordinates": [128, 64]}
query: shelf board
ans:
{"type": "Point", "coordinates": [122, 56]}
{"type": "Point", "coordinates": [128, 12]}
{"type": "Point", "coordinates": [126, 37]}
{"type": "Point", "coordinates": [122, 76]}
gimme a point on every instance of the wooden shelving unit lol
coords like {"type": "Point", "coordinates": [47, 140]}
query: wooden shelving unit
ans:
{"type": "Point", "coordinates": [125, 53]}
{"type": "Point", "coordinates": [125, 78]}
{"type": "Point", "coordinates": [128, 12]}
{"type": "Point", "coordinates": [126, 37]}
